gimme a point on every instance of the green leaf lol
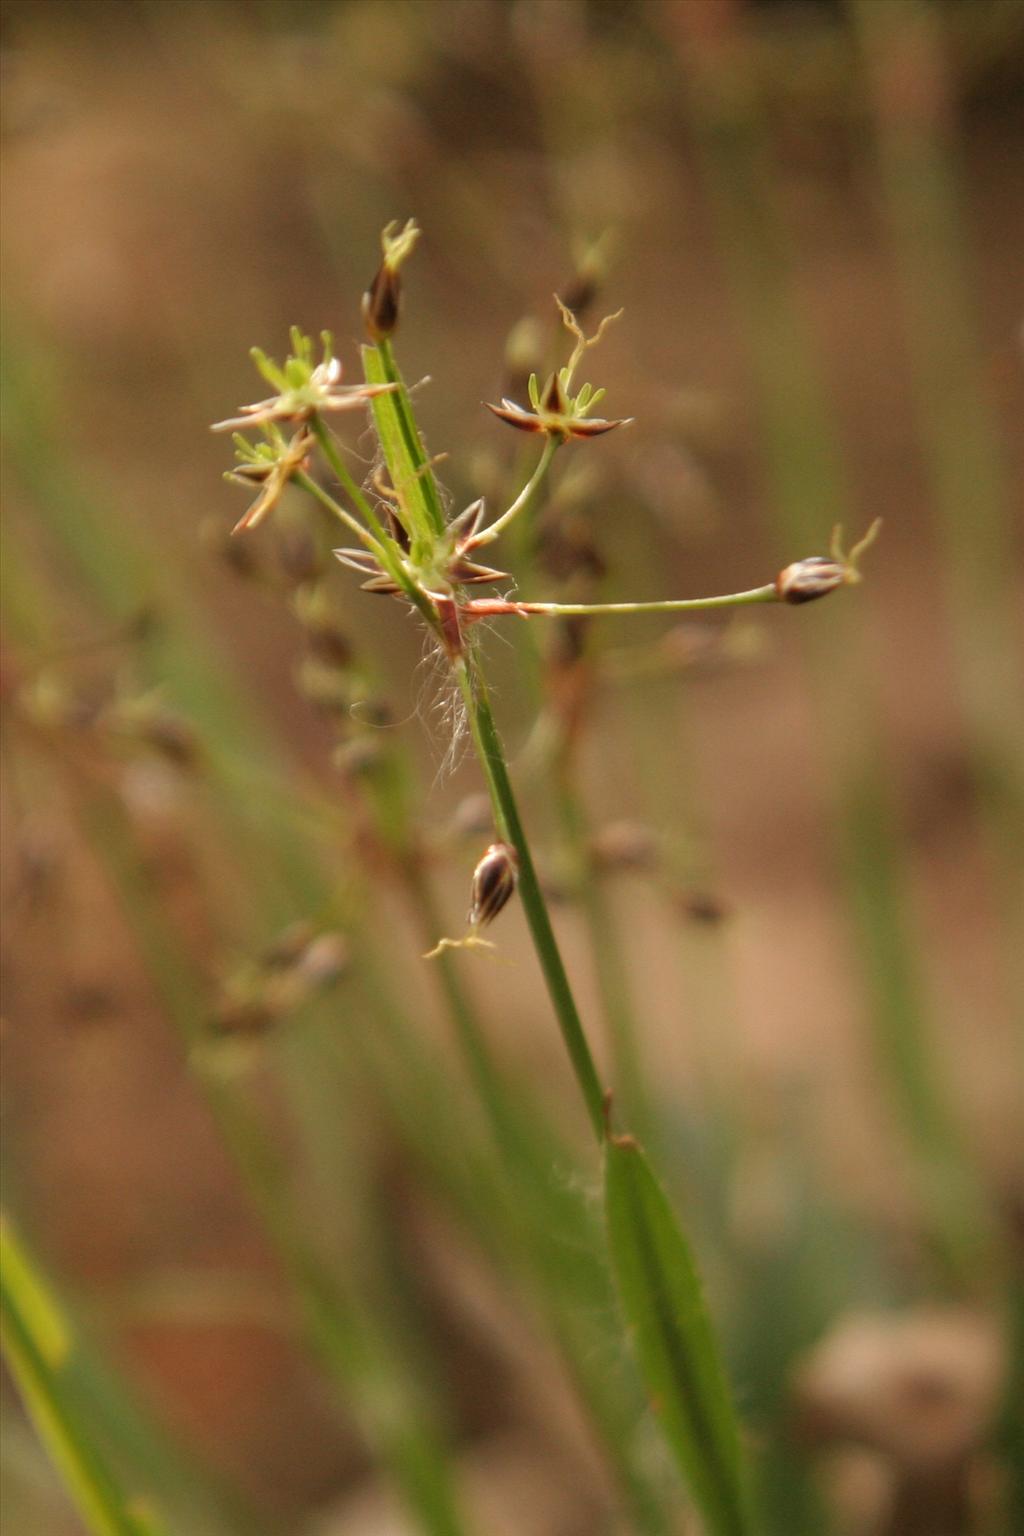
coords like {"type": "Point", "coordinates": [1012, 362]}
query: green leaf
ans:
{"type": "Point", "coordinates": [38, 1347]}
{"type": "Point", "coordinates": [673, 1337]}
{"type": "Point", "coordinates": [403, 450]}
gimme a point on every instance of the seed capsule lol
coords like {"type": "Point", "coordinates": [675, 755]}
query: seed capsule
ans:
{"type": "Point", "coordinates": [494, 881]}
{"type": "Point", "coordinates": [805, 580]}
{"type": "Point", "coordinates": [381, 302]}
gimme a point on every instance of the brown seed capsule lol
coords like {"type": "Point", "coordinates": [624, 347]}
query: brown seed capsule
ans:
{"type": "Point", "coordinates": [494, 881]}
{"type": "Point", "coordinates": [808, 579]}
{"type": "Point", "coordinates": [380, 303]}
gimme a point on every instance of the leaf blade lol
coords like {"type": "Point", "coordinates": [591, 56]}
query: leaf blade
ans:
{"type": "Point", "coordinates": [673, 1338]}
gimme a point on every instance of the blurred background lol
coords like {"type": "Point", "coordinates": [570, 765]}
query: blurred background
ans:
{"type": "Point", "coordinates": [785, 851]}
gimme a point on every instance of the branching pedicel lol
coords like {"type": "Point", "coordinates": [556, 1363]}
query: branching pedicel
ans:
{"type": "Point", "coordinates": [407, 549]}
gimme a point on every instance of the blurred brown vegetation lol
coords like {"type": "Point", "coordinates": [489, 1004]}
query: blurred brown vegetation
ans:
{"type": "Point", "coordinates": [184, 178]}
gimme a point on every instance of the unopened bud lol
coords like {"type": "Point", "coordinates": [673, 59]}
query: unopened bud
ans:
{"type": "Point", "coordinates": [818, 575]}
{"type": "Point", "coordinates": [494, 881]}
{"type": "Point", "coordinates": [380, 303]}
{"type": "Point", "coordinates": [381, 299]}
{"type": "Point", "coordinates": [806, 580]}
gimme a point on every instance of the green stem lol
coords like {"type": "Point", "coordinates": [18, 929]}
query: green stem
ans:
{"type": "Point", "coordinates": [410, 435]}
{"type": "Point", "coordinates": [473, 688]}
{"type": "Point", "coordinates": [669, 605]}
{"type": "Point", "coordinates": [472, 1042]}
{"type": "Point", "coordinates": [329, 449]}
{"type": "Point", "coordinates": [524, 498]}
{"type": "Point", "coordinates": [609, 966]}
{"type": "Point", "coordinates": [335, 508]}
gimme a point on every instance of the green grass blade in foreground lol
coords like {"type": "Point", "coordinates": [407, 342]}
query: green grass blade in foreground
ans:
{"type": "Point", "coordinates": [39, 1347]}
{"type": "Point", "coordinates": [673, 1337]}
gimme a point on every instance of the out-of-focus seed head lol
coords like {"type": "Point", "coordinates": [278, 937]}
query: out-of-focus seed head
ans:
{"type": "Point", "coordinates": [494, 881]}
{"type": "Point", "coordinates": [524, 351]}
{"type": "Point", "coordinates": [288, 946]}
{"type": "Point", "coordinates": [300, 557]}
{"type": "Point", "coordinates": [702, 907]}
{"type": "Point", "coordinates": [327, 641]}
{"type": "Point", "coordinates": [592, 261]}
{"type": "Point", "coordinates": [327, 687]}
{"type": "Point", "coordinates": [238, 555]}
{"type": "Point", "coordinates": [324, 960]}
{"type": "Point", "coordinates": [359, 757]}
{"type": "Point", "coordinates": [472, 816]}
{"type": "Point", "coordinates": [624, 845]}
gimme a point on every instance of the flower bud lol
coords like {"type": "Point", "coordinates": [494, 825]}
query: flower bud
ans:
{"type": "Point", "coordinates": [494, 881]}
{"type": "Point", "coordinates": [380, 303]}
{"type": "Point", "coordinates": [805, 580]}
{"type": "Point", "coordinates": [818, 575]}
{"type": "Point", "coordinates": [381, 299]}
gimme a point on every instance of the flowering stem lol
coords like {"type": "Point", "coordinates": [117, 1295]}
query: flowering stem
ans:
{"type": "Point", "coordinates": [410, 435]}
{"type": "Point", "coordinates": [669, 605]}
{"type": "Point", "coordinates": [473, 688]}
{"type": "Point", "coordinates": [524, 498]}
{"type": "Point", "coordinates": [344, 476]}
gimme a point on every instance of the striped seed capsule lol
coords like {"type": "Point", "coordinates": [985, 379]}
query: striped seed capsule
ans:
{"type": "Point", "coordinates": [494, 881]}
{"type": "Point", "coordinates": [381, 303]}
{"type": "Point", "coordinates": [805, 580]}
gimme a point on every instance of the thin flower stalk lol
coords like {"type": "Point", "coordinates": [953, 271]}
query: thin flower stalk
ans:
{"type": "Point", "coordinates": [490, 753]}
{"type": "Point", "coordinates": [525, 498]}
{"type": "Point", "coordinates": [494, 607]}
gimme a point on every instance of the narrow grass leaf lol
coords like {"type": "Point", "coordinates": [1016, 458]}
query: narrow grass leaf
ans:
{"type": "Point", "coordinates": [403, 453]}
{"type": "Point", "coordinates": [673, 1338]}
{"type": "Point", "coordinates": [38, 1346]}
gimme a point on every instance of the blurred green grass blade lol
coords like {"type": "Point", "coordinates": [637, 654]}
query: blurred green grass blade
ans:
{"type": "Point", "coordinates": [928, 231]}
{"type": "Point", "coordinates": [122, 572]}
{"type": "Point", "coordinates": [564, 1272]}
{"type": "Point", "coordinates": [547, 1241]}
{"type": "Point", "coordinates": [39, 1347]}
{"type": "Point", "coordinates": [1011, 1425]}
{"type": "Point", "coordinates": [673, 1337]}
{"type": "Point", "coordinates": [351, 1342]}
{"type": "Point", "coordinates": [805, 471]}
